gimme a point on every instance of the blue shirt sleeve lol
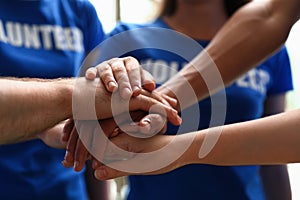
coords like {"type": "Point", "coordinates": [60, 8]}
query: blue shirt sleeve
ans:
{"type": "Point", "coordinates": [282, 74]}
{"type": "Point", "coordinates": [95, 32]}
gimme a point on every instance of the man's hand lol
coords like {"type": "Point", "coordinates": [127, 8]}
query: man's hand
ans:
{"type": "Point", "coordinates": [85, 140]}
{"type": "Point", "coordinates": [53, 137]}
{"type": "Point", "coordinates": [88, 143]}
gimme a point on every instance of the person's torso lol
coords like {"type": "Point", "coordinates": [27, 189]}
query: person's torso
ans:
{"type": "Point", "coordinates": [43, 39]}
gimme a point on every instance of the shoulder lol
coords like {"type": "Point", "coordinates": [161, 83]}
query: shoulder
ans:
{"type": "Point", "coordinates": [125, 26]}
{"type": "Point", "coordinates": [79, 4]}
{"type": "Point", "coordinates": [282, 54]}
{"type": "Point", "coordinates": [79, 8]}
{"type": "Point", "coordinates": [279, 55]}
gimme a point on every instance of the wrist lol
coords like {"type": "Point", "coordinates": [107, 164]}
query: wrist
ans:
{"type": "Point", "coordinates": [191, 155]}
{"type": "Point", "coordinates": [63, 95]}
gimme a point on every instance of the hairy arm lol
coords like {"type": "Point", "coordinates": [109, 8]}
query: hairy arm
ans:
{"type": "Point", "coordinates": [31, 106]}
{"type": "Point", "coordinates": [253, 33]}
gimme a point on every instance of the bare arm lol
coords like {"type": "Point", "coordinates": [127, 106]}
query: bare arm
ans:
{"type": "Point", "coordinates": [270, 140]}
{"type": "Point", "coordinates": [266, 141]}
{"type": "Point", "coordinates": [254, 32]}
{"type": "Point", "coordinates": [29, 107]}
{"type": "Point", "coordinates": [275, 178]}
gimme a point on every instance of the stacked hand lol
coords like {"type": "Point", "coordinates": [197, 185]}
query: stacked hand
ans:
{"type": "Point", "coordinates": [121, 82]}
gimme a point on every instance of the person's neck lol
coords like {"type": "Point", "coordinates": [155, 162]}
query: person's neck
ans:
{"type": "Point", "coordinates": [199, 21]}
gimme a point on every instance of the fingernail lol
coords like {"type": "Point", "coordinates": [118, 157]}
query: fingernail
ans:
{"type": "Point", "coordinates": [94, 164]}
{"type": "Point", "coordinates": [174, 113]}
{"type": "Point", "coordinates": [63, 163]}
{"type": "Point", "coordinates": [179, 119]}
{"type": "Point", "coordinates": [76, 165]}
{"type": "Point", "coordinates": [66, 155]}
{"type": "Point", "coordinates": [100, 173]}
{"type": "Point", "coordinates": [136, 90]}
{"type": "Point", "coordinates": [116, 131]}
{"type": "Point", "coordinates": [145, 122]}
{"type": "Point", "coordinates": [66, 164]}
{"type": "Point", "coordinates": [91, 72]}
{"type": "Point", "coordinates": [90, 75]}
{"type": "Point", "coordinates": [112, 85]}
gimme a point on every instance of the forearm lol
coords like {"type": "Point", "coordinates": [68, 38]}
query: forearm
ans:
{"type": "Point", "coordinates": [252, 34]}
{"type": "Point", "coordinates": [270, 140]}
{"type": "Point", "coordinates": [28, 107]}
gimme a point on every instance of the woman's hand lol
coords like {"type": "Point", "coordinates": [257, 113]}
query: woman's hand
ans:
{"type": "Point", "coordinates": [138, 157]}
{"type": "Point", "coordinates": [123, 74]}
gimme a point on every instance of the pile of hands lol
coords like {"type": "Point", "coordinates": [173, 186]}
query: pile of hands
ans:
{"type": "Point", "coordinates": [112, 143]}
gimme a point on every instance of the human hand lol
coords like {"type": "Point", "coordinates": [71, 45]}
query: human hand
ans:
{"type": "Point", "coordinates": [80, 144]}
{"type": "Point", "coordinates": [149, 124]}
{"type": "Point", "coordinates": [91, 101]}
{"type": "Point", "coordinates": [53, 137]}
{"type": "Point", "coordinates": [91, 135]}
{"type": "Point", "coordinates": [140, 156]}
{"type": "Point", "coordinates": [123, 74]}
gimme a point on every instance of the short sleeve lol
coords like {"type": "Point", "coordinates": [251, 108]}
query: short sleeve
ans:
{"type": "Point", "coordinates": [282, 74]}
{"type": "Point", "coordinates": [94, 32]}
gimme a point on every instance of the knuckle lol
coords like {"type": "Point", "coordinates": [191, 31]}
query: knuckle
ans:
{"type": "Point", "coordinates": [117, 67]}
{"type": "Point", "coordinates": [103, 67]}
{"type": "Point", "coordinates": [131, 64]}
{"type": "Point", "coordinates": [123, 80]}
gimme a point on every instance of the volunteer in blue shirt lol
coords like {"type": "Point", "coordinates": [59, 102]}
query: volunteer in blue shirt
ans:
{"type": "Point", "coordinates": [43, 39]}
{"type": "Point", "coordinates": [250, 97]}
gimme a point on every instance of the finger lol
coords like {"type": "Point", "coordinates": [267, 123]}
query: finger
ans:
{"type": "Point", "coordinates": [91, 73]}
{"type": "Point", "coordinates": [105, 173]}
{"type": "Point", "coordinates": [128, 124]}
{"type": "Point", "coordinates": [152, 124]}
{"type": "Point", "coordinates": [157, 96]}
{"type": "Point", "coordinates": [148, 81]}
{"type": "Point", "coordinates": [95, 163]}
{"type": "Point", "coordinates": [95, 140]}
{"type": "Point", "coordinates": [148, 126]}
{"type": "Point", "coordinates": [134, 72]}
{"type": "Point", "coordinates": [132, 127]}
{"type": "Point", "coordinates": [70, 149]}
{"type": "Point", "coordinates": [81, 154]}
{"type": "Point", "coordinates": [121, 76]}
{"type": "Point", "coordinates": [172, 101]}
{"type": "Point", "coordinates": [106, 75]}
{"type": "Point", "coordinates": [146, 103]}
{"type": "Point", "coordinates": [68, 127]}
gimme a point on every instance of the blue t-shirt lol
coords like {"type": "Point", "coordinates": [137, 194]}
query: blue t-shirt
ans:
{"type": "Point", "coordinates": [164, 53]}
{"type": "Point", "coordinates": [43, 39]}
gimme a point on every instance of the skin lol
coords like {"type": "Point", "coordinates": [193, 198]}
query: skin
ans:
{"type": "Point", "coordinates": [272, 21]}
{"type": "Point", "coordinates": [45, 103]}
{"type": "Point", "coordinates": [227, 151]}
{"type": "Point", "coordinates": [231, 50]}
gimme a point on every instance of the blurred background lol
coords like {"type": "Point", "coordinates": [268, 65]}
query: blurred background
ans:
{"type": "Point", "coordinates": [111, 11]}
